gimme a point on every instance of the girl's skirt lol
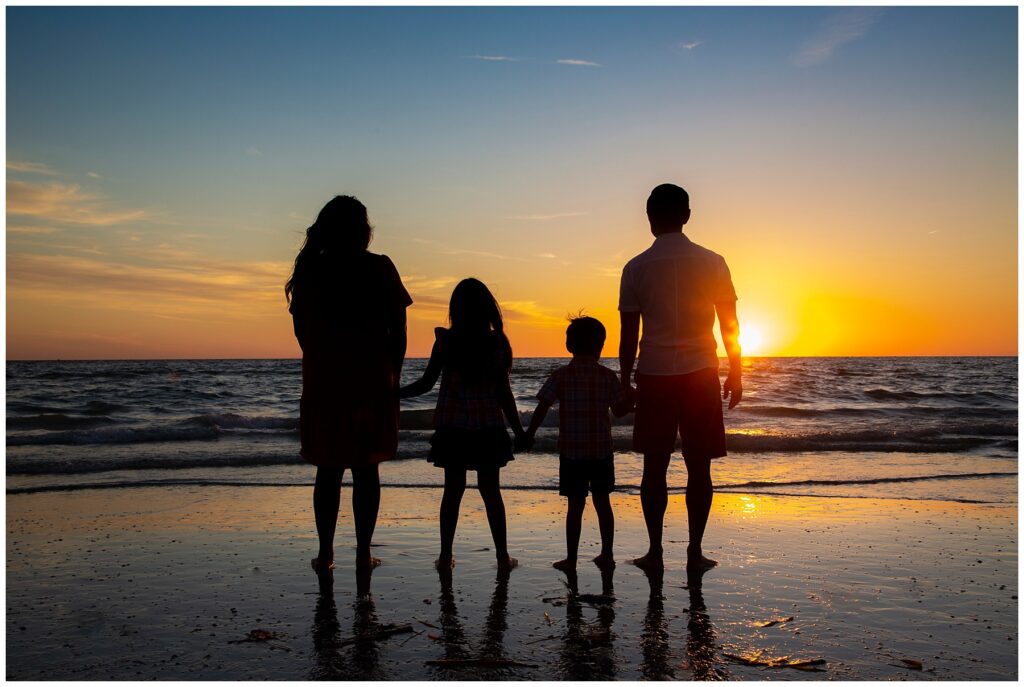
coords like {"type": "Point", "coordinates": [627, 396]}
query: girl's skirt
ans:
{"type": "Point", "coordinates": [470, 449]}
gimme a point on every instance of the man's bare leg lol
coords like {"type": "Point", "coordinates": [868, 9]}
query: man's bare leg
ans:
{"type": "Point", "coordinates": [699, 493]}
{"type": "Point", "coordinates": [654, 501]}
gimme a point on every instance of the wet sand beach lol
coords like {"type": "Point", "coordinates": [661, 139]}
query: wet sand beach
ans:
{"type": "Point", "coordinates": [211, 582]}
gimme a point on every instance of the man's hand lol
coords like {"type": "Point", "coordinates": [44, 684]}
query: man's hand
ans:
{"type": "Point", "coordinates": [733, 389]}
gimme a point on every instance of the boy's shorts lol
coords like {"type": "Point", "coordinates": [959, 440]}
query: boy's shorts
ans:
{"type": "Point", "coordinates": [577, 477]}
{"type": "Point", "coordinates": [689, 405]}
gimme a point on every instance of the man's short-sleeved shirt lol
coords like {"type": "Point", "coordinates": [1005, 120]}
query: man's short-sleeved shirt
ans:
{"type": "Point", "coordinates": [584, 391]}
{"type": "Point", "coordinates": [674, 285]}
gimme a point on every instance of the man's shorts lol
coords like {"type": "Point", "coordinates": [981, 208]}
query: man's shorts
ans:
{"type": "Point", "coordinates": [578, 476]}
{"type": "Point", "coordinates": [689, 405]}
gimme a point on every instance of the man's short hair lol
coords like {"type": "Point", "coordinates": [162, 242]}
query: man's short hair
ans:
{"type": "Point", "coordinates": [585, 336]}
{"type": "Point", "coordinates": [668, 204]}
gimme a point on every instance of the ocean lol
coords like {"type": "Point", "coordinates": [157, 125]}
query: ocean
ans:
{"type": "Point", "coordinates": [901, 428]}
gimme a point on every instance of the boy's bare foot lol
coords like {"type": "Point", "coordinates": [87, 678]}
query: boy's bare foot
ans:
{"type": "Point", "coordinates": [507, 563]}
{"type": "Point", "coordinates": [320, 568]}
{"type": "Point", "coordinates": [564, 565]}
{"type": "Point", "coordinates": [366, 562]}
{"type": "Point", "coordinates": [445, 562]}
{"type": "Point", "coordinates": [604, 561]}
{"type": "Point", "coordinates": [650, 561]}
{"type": "Point", "coordinates": [699, 564]}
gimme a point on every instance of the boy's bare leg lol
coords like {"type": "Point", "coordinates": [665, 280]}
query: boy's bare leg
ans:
{"type": "Point", "coordinates": [573, 527]}
{"type": "Point", "coordinates": [699, 493]}
{"type": "Point", "coordinates": [654, 501]}
{"type": "Point", "coordinates": [454, 488]}
{"type": "Point", "coordinates": [365, 506]}
{"type": "Point", "coordinates": [489, 485]}
{"type": "Point", "coordinates": [606, 523]}
{"type": "Point", "coordinates": [326, 502]}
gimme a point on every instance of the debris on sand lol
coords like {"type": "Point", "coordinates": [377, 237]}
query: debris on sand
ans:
{"type": "Point", "coordinates": [379, 632]}
{"type": "Point", "coordinates": [756, 659]}
{"type": "Point", "coordinates": [774, 621]}
{"type": "Point", "coordinates": [257, 636]}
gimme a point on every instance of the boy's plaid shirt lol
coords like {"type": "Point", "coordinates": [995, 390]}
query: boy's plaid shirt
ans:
{"type": "Point", "coordinates": [584, 392]}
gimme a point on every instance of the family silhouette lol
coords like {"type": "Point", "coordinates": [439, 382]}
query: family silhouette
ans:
{"type": "Point", "coordinates": [348, 307]}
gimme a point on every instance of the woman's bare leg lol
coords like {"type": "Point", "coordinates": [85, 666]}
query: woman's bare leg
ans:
{"type": "Point", "coordinates": [326, 501]}
{"type": "Point", "coordinates": [365, 505]}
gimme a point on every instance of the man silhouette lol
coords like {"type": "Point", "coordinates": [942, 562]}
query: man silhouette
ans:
{"type": "Point", "coordinates": [676, 287]}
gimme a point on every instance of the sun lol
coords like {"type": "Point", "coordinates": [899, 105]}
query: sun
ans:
{"type": "Point", "coordinates": [751, 340]}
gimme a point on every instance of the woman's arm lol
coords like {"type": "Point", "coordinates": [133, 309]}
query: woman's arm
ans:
{"type": "Point", "coordinates": [429, 378]}
{"type": "Point", "coordinates": [508, 406]}
{"type": "Point", "coordinates": [399, 341]}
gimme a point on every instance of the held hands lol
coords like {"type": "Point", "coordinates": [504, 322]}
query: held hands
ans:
{"type": "Point", "coordinates": [522, 442]}
{"type": "Point", "coordinates": [733, 388]}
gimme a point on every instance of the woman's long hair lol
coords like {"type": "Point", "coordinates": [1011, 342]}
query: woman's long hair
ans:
{"type": "Point", "coordinates": [478, 345]}
{"type": "Point", "coordinates": [342, 228]}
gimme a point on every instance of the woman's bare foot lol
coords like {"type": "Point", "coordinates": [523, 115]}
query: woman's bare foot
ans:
{"type": "Point", "coordinates": [604, 561]}
{"type": "Point", "coordinates": [445, 562]}
{"type": "Point", "coordinates": [650, 561]}
{"type": "Point", "coordinates": [565, 565]}
{"type": "Point", "coordinates": [507, 563]}
{"type": "Point", "coordinates": [366, 562]}
{"type": "Point", "coordinates": [320, 568]}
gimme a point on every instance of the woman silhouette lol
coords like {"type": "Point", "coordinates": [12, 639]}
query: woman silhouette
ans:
{"type": "Point", "coordinates": [348, 308]}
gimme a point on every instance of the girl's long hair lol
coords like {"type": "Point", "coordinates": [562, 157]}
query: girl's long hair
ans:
{"type": "Point", "coordinates": [479, 347]}
{"type": "Point", "coordinates": [341, 229]}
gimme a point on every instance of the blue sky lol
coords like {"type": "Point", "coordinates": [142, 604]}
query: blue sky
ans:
{"type": "Point", "coordinates": [219, 132]}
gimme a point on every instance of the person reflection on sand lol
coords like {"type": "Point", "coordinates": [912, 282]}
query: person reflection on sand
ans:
{"type": "Point", "coordinates": [656, 663]}
{"type": "Point", "coordinates": [588, 652]}
{"type": "Point", "coordinates": [335, 658]}
{"type": "Point", "coordinates": [467, 664]}
{"type": "Point", "coordinates": [701, 649]}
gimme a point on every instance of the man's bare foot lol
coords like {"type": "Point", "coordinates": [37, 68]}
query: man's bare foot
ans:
{"type": "Point", "coordinates": [699, 564]}
{"type": "Point", "coordinates": [366, 562]}
{"type": "Point", "coordinates": [564, 565]}
{"type": "Point", "coordinates": [507, 563]}
{"type": "Point", "coordinates": [445, 562]}
{"type": "Point", "coordinates": [604, 561]}
{"type": "Point", "coordinates": [650, 561]}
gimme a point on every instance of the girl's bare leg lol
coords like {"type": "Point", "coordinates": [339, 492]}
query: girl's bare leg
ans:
{"type": "Point", "coordinates": [454, 488]}
{"type": "Point", "coordinates": [490, 491]}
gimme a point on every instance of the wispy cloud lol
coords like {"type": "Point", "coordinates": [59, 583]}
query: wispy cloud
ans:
{"type": "Point", "coordinates": [26, 229]}
{"type": "Point", "coordinates": [253, 151]}
{"type": "Point", "coordinates": [93, 175]}
{"type": "Point", "coordinates": [528, 312]}
{"type": "Point", "coordinates": [444, 249]}
{"type": "Point", "coordinates": [546, 217]}
{"type": "Point", "coordinates": [578, 63]}
{"type": "Point", "coordinates": [30, 168]}
{"type": "Point", "coordinates": [690, 45]}
{"type": "Point", "coordinates": [183, 285]}
{"type": "Point", "coordinates": [840, 28]}
{"type": "Point", "coordinates": [492, 58]}
{"type": "Point", "coordinates": [547, 256]}
{"type": "Point", "coordinates": [64, 204]}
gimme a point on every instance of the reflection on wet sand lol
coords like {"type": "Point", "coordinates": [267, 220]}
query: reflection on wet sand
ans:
{"type": "Point", "coordinates": [656, 660]}
{"type": "Point", "coordinates": [588, 650]}
{"type": "Point", "coordinates": [489, 661]}
{"type": "Point", "coordinates": [701, 649]}
{"type": "Point", "coordinates": [355, 658]}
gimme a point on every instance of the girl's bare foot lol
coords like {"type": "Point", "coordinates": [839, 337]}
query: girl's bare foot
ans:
{"type": "Point", "coordinates": [507, 563]}
{"type": "Point", "coordinates": [604, 561]}
{"type": "Point", "coordinates": [366, 562]}
{"type": "Point", "coordinates": [650, 561]}
{"type": "Point", "coordinates": [445, 562]}
{"type": "Point", "coordinates": [565, 566]}
{"type": "Point", "coordinates": [319, 567]}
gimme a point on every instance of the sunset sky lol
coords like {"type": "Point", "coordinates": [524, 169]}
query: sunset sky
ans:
{"type": "Point", "coordinates": [856, 167]}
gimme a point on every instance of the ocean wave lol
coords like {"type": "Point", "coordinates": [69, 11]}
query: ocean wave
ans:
{"type": "Point", "coordinates": [57, 421]}
{"type": "Point", "coordinates": [742, 487]}
{"type": "Point", "coordinates": [235, 421]}
{"type": "Point", "coordinates": [116, 435]}
{"type": "Point", "coordinates": [960, 396]}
